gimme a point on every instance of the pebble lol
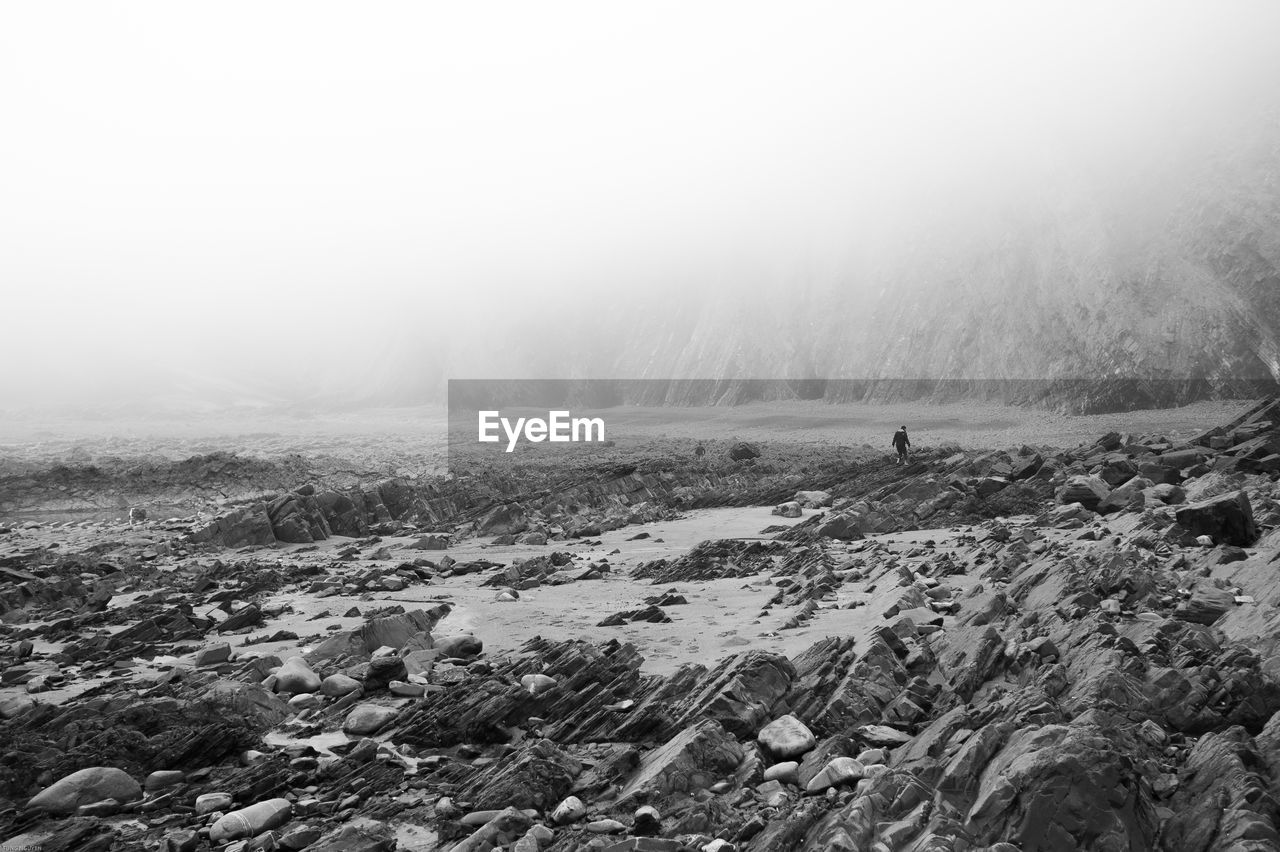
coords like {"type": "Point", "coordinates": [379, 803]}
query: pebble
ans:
{"type": "Point", "coordinates": [210, 802]}
{"type": "Point", "coordinates": [537, 683]}
{"type": "Point", "coordinates": [306, 701]}
{"type": "Point", "coordinates": [162, 779]}
{"type": "Point", "coordinates": [407, 690]}
{"type": "Point", "coordinates": [570, 810]}
{"type": "Point", "coordinates": [787, 772]}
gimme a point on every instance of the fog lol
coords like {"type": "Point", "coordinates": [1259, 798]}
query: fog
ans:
{"type": "Point", "coordinates": [320, 201]}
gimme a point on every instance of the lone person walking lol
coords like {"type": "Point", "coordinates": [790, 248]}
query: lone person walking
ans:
{"type": "Point", "coordinates": [900, 443]}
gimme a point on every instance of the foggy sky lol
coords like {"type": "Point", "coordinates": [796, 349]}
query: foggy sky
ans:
{"type": "Point", "coordinates": [288, 195]}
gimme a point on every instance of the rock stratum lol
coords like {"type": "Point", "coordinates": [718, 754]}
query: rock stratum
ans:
{"type": "Point", "coordinates": [1029, 649]}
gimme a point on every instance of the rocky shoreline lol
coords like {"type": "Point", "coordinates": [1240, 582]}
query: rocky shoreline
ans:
{"type": "Point", "coordinates": [1045, 650]}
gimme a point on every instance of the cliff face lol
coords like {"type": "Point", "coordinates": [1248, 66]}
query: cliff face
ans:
{"type": "Point", "coordinates": [1092, 292]}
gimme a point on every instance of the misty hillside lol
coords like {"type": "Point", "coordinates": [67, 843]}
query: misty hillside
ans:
{"type": "Point", "coordinates": [1084, 295]}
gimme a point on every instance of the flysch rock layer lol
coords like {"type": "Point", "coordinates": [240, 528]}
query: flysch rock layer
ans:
{"type": "Point", "coordinates": [1027, 650]}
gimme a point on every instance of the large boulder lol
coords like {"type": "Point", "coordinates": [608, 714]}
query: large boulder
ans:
{"type": "Point", "coordinates": [464, 645]}
{"type": "Point", "coordinates": [1025, 467]}
{"type": "Point", "coordinates": [247, 701]}
{"type": "Point", "coordinates": [1130, 494]}
{"type": "Point", "coordinates": [342, 514]}
{"type": "Point", "coordinates": [842, 527]}
{"type": "Point", "coordinates": [12, 706]}
{"type": "Point", "coordinates": [393, 631]}
{"type": "Point", "coordinates": [742, 451]}
{"type": "Point", "coordinates": [1183, 458]}
{"type": "Point", "coordinates": [247, 526]}
{"type": "Point", "coordinates": [295, 676]}
{"type": "Point", "coordinates": [1088, 491]}
{"type": "Point", "coordinates": [84, 788]}
{"type": "Point", "coordinates": [297, 520]}
{"type": "Point", "coordinates": [692, 760]}
{"type": "Point", "coordinates": [508, 519]}
{"type": "Point", "coordinates": [1227, 519]}
{"type": "Point", "coordinates": [988, 485]}
{"type": "Point", "coordinates": [359, 835]}
{"type": "Point", "coordinates": [1060, 787]}
{"type": "Point", "coordinates": [251, 821]}
{"type": "Point", "coordinates": [790, 509]}
{"type": "Point", "coordinates": [1207, 811]}
{"type": "Point", "coordinates": [840, 770]}
{"type": "Point", "coordinates": [430, 542]}
{"type": "Point", "coordinates": [367, 719]}
{"type": "Point", "coordinates": [1206, 605]}
{"type": "Point", "coordinates": [537, 775]}
{"type": "Point", "coordinates": [740, 692]}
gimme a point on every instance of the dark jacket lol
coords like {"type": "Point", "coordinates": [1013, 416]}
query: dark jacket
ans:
{"type": "Point", "coordinates": [900, 439]}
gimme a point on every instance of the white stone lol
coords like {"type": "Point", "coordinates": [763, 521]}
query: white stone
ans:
{"type": "Point", "coordinates": [570, 810]}
{"type": "Point", "coordinates": [787, 737]}
{"type": "Point", "coordinates": [537, 683]}
{"type": "Point", "coordinates": [210, 802]}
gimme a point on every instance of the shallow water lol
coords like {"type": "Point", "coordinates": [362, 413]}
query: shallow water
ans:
{"type": "Point", "coordinates": [320, 742]}
{"type": "Point", "coordinates": [113, 515]}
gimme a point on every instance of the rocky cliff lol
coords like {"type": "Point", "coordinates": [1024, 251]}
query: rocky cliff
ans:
{"type": "Point", "coordinates": [1084, 290]}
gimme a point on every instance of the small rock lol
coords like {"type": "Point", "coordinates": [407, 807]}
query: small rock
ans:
{"type": "Point", "coordinates": [213, 654]}
{"type": "Point", "coordinates": [162, 779]}
{"type": "Point", "coordinates": [182, 841]}
{"type": "Point", "coordinates": [570, 810]}
{"type": "Point", "coordinates": [787, 772]}
{"type": "Point", "coordinates": [646, 821]}
{"type": "Point", "coordinates": [305, 701]}
{"type": "Point", "coordinates": [790, 509]}
{"type": "Point", "coordinates": [299, 838]}
{"type": "Point", "coordinates": [210, 802]}
{"type": "Point", "coordinates": [537, 683]}
{"type": "Point", "coordinates": [407, 690]}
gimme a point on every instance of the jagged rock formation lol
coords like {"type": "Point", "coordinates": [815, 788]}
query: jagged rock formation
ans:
{"type": "Point", "coordinates": [1056, 680]}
